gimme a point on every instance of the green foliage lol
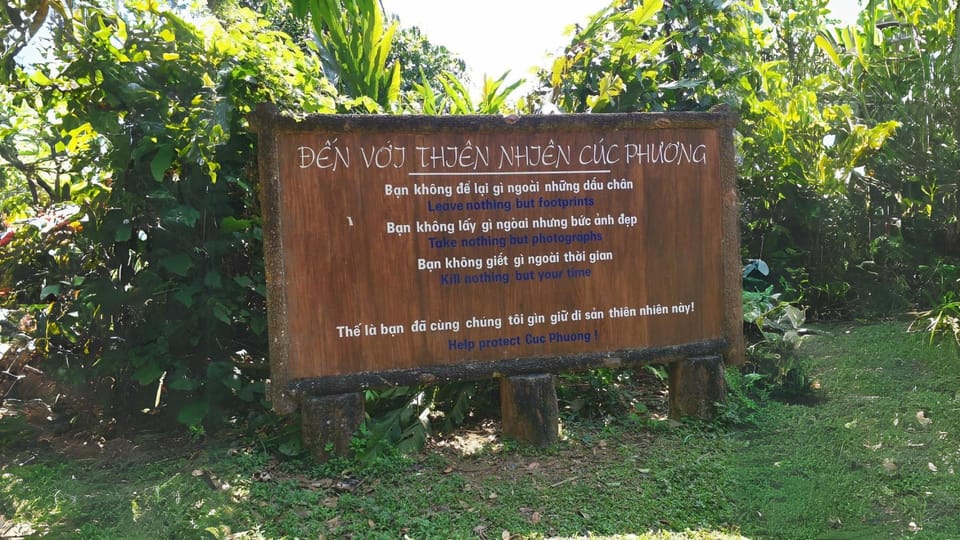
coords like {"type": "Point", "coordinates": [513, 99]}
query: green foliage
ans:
{"type": "Point", "coordinates": [154, 277]}
{"type": "Point", "coordinates": [388, 69]}
{"type": "Point", "coordinates": [355, 45]}
{"type": "Point", "coordinates": [20, 22]}
{"type": "Point", "coordinates": [875, 438]}
{"type": "Point", "coordinates": [412, 50]}
{"type": "Point", "coordinates": [278, 12]}
{"type": "Point", "coordinates": [455, 97]}
{"type": "Point", "coordinates": [774, 333]}
{"type": "Point", "coordinates": [135, 124]}
{"type": "Point", "coordinates": [401, 418]}
{"type": "Point", "coordinates": [942, 319]}
{"type": "Point", "coordinates": [802, 144]}
{"type": "Point", "coordinates": [746, 397]}
{"type": "Point", "coordinates": [872, 461]}
{"type": "Point", "coordinates": [646, 56]}
{"type": "Point", "coordinates": [160, 281]}
{"type": "Point", "coordinates": [601, 393]}
{"type": "Point", "coordinates": [894, 66]}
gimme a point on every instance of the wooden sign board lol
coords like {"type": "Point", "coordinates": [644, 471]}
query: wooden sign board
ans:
{"type": "Point", "coordinates": [418, 249]}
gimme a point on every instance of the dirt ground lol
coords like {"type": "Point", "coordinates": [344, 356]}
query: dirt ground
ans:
{"type": "Point", "coordinates": [473, 451]}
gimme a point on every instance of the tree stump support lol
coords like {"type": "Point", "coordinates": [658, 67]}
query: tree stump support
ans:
{"type": "Point", "coordinates": [328, 424]}
{"type": "Point", "coordinates": [528, 409]}
{"type": "Point", "coordinates": [696, 385]}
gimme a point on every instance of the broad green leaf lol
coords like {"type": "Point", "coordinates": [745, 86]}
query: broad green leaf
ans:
{"type": "Point", "coordinates": [52, 289]}
{"type": "Point", "coordinates": [222, 313]}
{"type": "Point", "coordinates": [148, 373]}
{"type": "Point", "coordinates": [231, 224]}
{"type": "Point", "coordinates": [290, 447]}
{"type": "Point", "coordinates": [393, 88]}
{"type": "Point", "coordinates": [161, 162]}
{"type": "Point", "coordinates": [645, 13]}
{"type": "Point", "coordinates": [123, 232]}
{"type": "Point", "coordinates": [182, 382]}
{"type": "Point", "coordinates": [182, 215]}
{"type": "Point", "coordinates": [192, 414]}
{"type": "Point", "coordinates": [185, 297]}
{"type": "Point", "coordinates": [177, 263]}
{"type": "Point", "coordinates": [213, 280]}
{"type": "Point", "coordinates": [828, 48]}
{"type": "Point", "coordinates": [258, 325]}
{"type": "Point", "coordinates": [38, 77]}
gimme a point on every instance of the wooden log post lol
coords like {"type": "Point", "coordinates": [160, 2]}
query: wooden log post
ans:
{"type": "Point", "coordinates": [696, 385]}
{"type": "Point", "coordinates": [529, 410]}
{"type": "Point", "coordinates": [328, 424]}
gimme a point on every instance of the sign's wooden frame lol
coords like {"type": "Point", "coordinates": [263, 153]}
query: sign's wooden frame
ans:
{"type": "Point", "coordinates": [287, 389]}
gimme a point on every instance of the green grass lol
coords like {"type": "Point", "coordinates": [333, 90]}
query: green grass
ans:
{"type": "Point", "coordinates": [860, 463]}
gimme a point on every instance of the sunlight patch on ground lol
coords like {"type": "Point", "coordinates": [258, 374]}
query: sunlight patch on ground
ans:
{"type": "Point", "coordinates": [473, 442]}
{"type": "Point", "coordinates": [10, 529]}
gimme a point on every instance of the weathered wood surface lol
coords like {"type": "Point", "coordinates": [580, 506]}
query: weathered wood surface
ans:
{"type": "Point", "coordinates": [529, 410]}
{"type": "Point", "coordinates": [339, 279]}
{"type": "Point", "coordinates": [696, 385]}
{"type": "Point", "coordinates": [328, 423]}
{"type": "Point", "coordinates": [474, 371]}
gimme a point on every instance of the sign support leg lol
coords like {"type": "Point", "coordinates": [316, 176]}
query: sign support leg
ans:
{"type": "Point", "coordinates": [696, 385]}
{"type": "Point", "coordinates": [328, 423]}
{"type": "Point", "coordinates": [529, 409]}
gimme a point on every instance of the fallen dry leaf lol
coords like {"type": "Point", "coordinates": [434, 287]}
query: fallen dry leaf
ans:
{"type": "Point", "coordinates": [564, 481]}
{"type": "Point", "coordinates": [535, 518]}
{"type": "Point", "coordinates": [323, 483]}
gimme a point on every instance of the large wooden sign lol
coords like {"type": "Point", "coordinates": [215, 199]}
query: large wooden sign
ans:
{"type": "Point", "coordinates": [415, 249]}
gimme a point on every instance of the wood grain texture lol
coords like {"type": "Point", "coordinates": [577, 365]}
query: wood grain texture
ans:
{"type": "Point", "coordinates": [344, 280]}
{"type": "Point", "coordinates": [529, 410]}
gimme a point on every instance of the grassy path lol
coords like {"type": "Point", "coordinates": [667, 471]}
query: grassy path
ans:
{"type": "Point", "coordinates": [877, 457]}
